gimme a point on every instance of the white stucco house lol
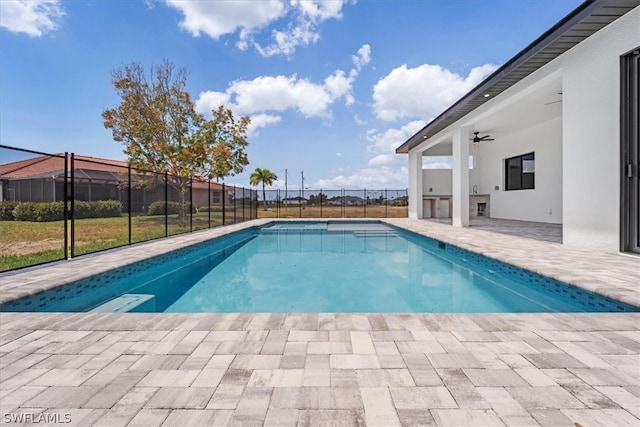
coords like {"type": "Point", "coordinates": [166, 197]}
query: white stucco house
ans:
{"type": "Point", "coordinates": [561, 136]}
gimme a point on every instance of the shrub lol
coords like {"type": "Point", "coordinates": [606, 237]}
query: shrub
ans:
{"type": "Point", "coordinates": [46, 212]}
{"type": "Point", "coordinates": [108, 208]}
{"type": "Point", "coordinates": [25, 211]}
{"type": "Point", "coordinates": [6, 210]}
{"type": "Point", "coordinates": [99, 209]}
{"type": "Point", "coordinates": [157, 208]}
{"type": "Point", "coordinates": [39, 212]}
{"type": "Point", "coordinates": [54, 211]}
{"type": "Point", "coordinates": [81, 209]}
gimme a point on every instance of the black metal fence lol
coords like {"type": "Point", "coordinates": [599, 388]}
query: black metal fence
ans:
{"type": "Point", "coordinates": [58, 206]}
{"type": "Point", "coordinates": [309, 203]}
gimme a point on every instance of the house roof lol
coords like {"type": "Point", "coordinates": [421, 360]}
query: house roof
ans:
{"type": "Point", "coordinates": [585, 20]}
{"type": "Point", "coordinates": [85, 167]}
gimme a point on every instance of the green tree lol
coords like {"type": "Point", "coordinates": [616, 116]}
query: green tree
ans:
{"type": "Point", "coordinates": [222, 141]}
{"type": "Point", "coordinates": [264, 176]}
{"type": "Point", "coordinates": [162, 132]}
{"type": "Point", "coordinates": [321, 198]}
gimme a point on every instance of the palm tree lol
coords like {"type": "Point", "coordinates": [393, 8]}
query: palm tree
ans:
{"type": "Point", "coordinates": [264, 176]}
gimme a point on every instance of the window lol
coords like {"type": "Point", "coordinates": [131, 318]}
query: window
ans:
{"type": "Point", "coordinates": [520, 172]}
{"type": "Point", "coordinates": [215, 197]}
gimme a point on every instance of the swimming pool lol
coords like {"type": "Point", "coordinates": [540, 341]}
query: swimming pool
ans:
{"type": "Point", "coordinates": [328, 266]}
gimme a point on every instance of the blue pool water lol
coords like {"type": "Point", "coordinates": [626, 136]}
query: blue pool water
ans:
{"type": "Point", "coordinates": [319, 267]}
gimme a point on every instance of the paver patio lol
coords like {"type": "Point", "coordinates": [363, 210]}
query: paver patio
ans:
{"type": "Point", "coordinates": [323, 368]}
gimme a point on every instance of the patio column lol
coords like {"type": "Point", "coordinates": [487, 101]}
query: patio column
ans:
{"type": "Point", "coordinates": [460, 179]}
{"type": "Point", "coordinates": [415, 184]}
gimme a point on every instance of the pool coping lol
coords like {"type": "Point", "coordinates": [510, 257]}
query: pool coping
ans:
{"type": "Point", "coordinates": [612, 278]}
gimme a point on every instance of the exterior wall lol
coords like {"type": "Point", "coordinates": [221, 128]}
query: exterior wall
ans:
{"type": "Point", "coordinates": [200, 197]}
{"type": "Point", "coordinates": [414, 192]}
{"type": "Point", "coordinates": [591, 135]}
{"type": "Point", "coordinates": [544, 202]}
{"type": "Point", "coordinates": [438, 180]}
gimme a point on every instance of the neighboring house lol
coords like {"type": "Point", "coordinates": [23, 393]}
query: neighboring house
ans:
{"type": "Point", "coordinates": [562, 116]}
{"type": "Point", "coordinates": [294, 201]}
{"type": "Point", "coordinates": [41, 179]}
{"type": "Point", "coordinates": [346, 201]}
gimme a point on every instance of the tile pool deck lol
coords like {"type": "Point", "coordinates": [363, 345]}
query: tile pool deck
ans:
{"type": "Point", "coordinates": [321, 369]}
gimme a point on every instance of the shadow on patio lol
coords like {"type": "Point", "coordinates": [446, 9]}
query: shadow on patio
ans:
{"type": "Point", "coordinates": [532, 230]}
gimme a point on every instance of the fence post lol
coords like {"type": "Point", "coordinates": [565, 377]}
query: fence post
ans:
{"type": "Point", "coordinates": [65, 195]}
{"type": "Point", "coordinates": [209, 200]}
{"type": "Point", "coordinates": [129, 198]}
{"type": "Point", "coordinates": [320, 196]}
{"type": "Point", "coordinates": [166, 204]}
{"type": "Point", "coordinates": [223, 197]}
{"type": "Point", "coordinates": [191, 204]}
{"type": "Point", "coordinates": [73, 211]}
{"type": "Point", "coordinates": [365, 201]}
{"type": "Point", "coordinates": [243, 203]}
{"type": "Point", "coordinates": [386, 202]}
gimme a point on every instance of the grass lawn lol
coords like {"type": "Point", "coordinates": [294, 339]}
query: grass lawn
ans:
{"type": "Point", "coordinates": [372, 211]}
{"type": "Point", "coordinates": [29, 243]}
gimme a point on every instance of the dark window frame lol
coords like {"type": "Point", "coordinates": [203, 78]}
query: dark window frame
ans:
{"type": "Point", "coordinates": [515, 178]}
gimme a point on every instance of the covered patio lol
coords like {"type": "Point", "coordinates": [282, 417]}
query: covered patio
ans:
{"type": "Point", "coordinates": [542, 231]}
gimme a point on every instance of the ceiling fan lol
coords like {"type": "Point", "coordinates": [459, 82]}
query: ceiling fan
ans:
{"type": "Point", "coordinates": [478, 139]}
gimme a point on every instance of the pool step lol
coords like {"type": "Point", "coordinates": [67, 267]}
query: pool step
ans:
{"type": "Point", "coordinates": [128, 303]}
{"type": "Point", "coordinates": [376, 233]}
{"type": "Point", "coordinates": [293, 229]}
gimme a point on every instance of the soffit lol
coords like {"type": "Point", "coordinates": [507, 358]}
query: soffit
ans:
{"type": "Point", "coordinates": [587, 19]}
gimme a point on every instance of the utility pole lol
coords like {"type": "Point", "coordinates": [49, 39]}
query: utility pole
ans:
{"type": "Point", "coordinates": [300, 201]}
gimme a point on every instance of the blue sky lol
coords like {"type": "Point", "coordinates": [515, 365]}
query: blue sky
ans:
{"type": "Point", "coordinates": [332, 86]}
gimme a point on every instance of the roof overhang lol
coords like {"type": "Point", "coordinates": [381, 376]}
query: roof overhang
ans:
{"type": "Point", "coordinates": [585, 20]}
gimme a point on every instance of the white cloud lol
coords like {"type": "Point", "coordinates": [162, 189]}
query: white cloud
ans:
{"type": "Point", "coordinates": [340, 85]}
{"type": "Point", "coordinates": [362, 57]}
{"type": "Point", "coordinates": [249, 17]}
{"type": "Point", "coordinates": [387, 141]}
{"type": "Point", "coordinates": [260, 121]}
{"type": "Point", "coordinates": [280, 93]}
{"type": "Point", "coordinates": [437, 162]}
{"type": "Point", "coordinates": [382, 160]}
{"type": "Point", "coordinates": [211, 100]}
{"type": "Point", "coordinates": [287, 41]}
{"type": "Point", "coordinates": [374, 178]}
{"type": "Point", "coordinates": [359, 121]}
{"type": "Point", "coordinates": [32, 17]}
{"type": "Point", "coordinates": [217, 18]}
{"type": "Point", "coordinates": [386, 169]}
{"type": "Point", "coordinates": [424, 91]}
{"type": "Point", "coordinates": [320, 10]}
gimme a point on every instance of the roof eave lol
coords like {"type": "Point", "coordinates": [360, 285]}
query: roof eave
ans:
{"type": "Point", "coordinates": [476, 95]}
